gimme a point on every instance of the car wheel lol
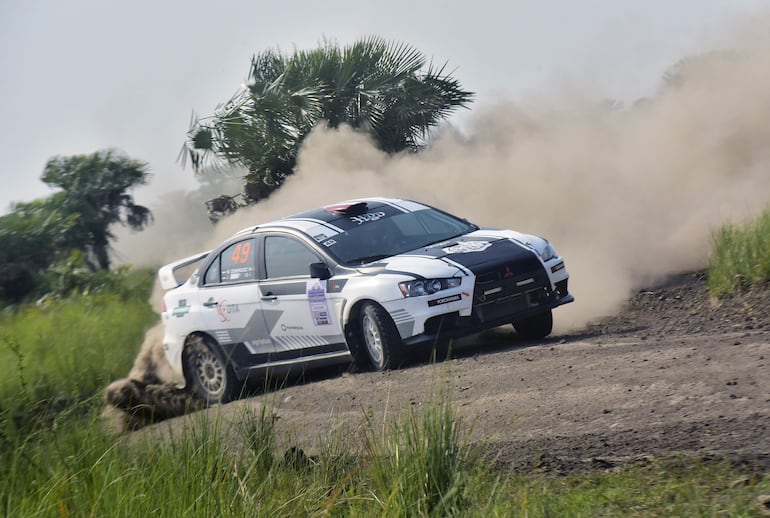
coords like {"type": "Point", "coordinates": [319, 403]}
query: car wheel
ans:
{"type": "Point", "coordinates": [534, 327]}
{"type": "Point", "coordinates": [379, 343]}
{"type": "Point", "coordinates": [208, 375]}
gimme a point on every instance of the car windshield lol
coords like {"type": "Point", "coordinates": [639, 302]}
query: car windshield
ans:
{"type": "Point", "coordinates": [395, 234]}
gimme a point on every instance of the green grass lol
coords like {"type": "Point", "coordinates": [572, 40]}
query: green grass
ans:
{"type": "Point", "coordinates": [57, 458]}
{"type": "Point", "coordinates": [740, 256]}
{"type": "Point", "coordinates": [64, 351]}
{"type": "Point", "coordinates": [417, 465]}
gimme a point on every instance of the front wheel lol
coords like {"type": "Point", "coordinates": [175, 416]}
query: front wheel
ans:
{"type": "Point", "coordinates": [209, 377]}
{"type": "Point", "coordinates": [535, 327]}
{"type": "Point", "coordinates": [379, 344]}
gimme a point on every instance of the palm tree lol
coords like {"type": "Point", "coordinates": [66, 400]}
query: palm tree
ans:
{"type": "Point", "coordinates": [683, 71]}
{"type": "Point", "coordinates": [384, 89]}
{"type": "Point", "coordinates": [94, 190]}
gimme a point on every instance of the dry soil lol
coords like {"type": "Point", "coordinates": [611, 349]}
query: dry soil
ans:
{"type": "Point", "coordinates": [676, 373]}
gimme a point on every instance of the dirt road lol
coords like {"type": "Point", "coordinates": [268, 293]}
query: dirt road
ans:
{"type": "Point", "coordinates": [674, 373]}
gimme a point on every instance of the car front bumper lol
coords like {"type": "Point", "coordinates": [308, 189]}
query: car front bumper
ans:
{"type": "Point", "coordinates": [452, 325]}
{"type": "Point", "coordinates": [491, 297]}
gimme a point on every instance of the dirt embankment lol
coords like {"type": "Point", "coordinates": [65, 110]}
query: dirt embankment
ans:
{"type": "Point", "coordinates": [675, 373]}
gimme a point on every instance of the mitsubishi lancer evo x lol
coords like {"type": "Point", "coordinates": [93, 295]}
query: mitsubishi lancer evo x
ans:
{"type": "Point", "coordinates": [365, 279]}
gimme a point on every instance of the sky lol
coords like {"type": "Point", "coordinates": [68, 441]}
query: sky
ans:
{"type": "Point", "coordinates": [84, 75]}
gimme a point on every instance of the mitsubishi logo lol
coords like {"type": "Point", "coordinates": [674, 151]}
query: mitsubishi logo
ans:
{"type": "Point", "coordinates": [507, 273]}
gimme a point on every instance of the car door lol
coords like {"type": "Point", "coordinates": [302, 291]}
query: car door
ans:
{"type": "Point", "coordinates": [301, 318]}
{"type": "Point", "coordinates": [232, 305]}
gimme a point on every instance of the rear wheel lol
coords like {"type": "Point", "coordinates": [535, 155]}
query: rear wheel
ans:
{"type": "Point", "coordinates": [536, 326]}
{"type": "Point", "coordinates": [379, 344]}
{"type": "Point", "coordinates": [208, 375]}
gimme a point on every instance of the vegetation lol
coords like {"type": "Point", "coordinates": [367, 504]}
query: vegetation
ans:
{"type": "Point", "coordinates": [415, 466]}
{"type": "Point", "coordinates": [57, 458]}
{"type": "Point", "coordinates": [95, 188]}
{"type": "Point", "coordinates": [69, 232]}
{"type": "Point", "coordinates": [64, 351]}
{"type": "Point", "coordinates": [740, 256]}
{"type": "Point", "coordinates": [31, 238]}
{"type": "Point", "coordinates": [381, 88]}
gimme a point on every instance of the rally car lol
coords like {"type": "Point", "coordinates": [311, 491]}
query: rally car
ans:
{"type": "Point", "coordinates": [365, 279]}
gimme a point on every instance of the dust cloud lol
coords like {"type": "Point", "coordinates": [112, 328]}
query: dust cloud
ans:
{"type": "Point", "coordinates": [626, 194]}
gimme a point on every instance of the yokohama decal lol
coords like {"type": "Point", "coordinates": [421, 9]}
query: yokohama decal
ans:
{"type": "Point", "coordinates": [444, 300]}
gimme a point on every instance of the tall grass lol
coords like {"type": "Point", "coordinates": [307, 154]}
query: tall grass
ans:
{"type": "Point", "coordinates": [63, 462]}
{"type": "Point", "coordinates": [740, 256]}
{"type": "Point", "coordinates": [417, 466]}
{"type": "Point", "coordinates": [66, 350]}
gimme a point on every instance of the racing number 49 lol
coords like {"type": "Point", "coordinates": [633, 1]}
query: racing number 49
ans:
{"type": "Point", "coordinates": [241, 253]}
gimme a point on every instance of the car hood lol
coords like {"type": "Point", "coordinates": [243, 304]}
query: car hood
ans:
{"type": "Point", "coordinates": [477, 251]}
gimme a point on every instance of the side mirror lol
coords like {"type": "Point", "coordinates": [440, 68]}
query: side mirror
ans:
{"type": "Point", "coordinates": [319, 271]}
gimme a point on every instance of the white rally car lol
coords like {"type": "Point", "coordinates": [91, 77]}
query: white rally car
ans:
{"type": "Point", "coordinates": [366, 279]}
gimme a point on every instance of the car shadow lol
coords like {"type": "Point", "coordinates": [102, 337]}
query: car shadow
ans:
{"type": "Point", "coordinates": [491, 341]}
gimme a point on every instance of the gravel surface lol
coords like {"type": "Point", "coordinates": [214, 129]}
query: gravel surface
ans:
{"type": "Point", "coordinates": [675, 373]}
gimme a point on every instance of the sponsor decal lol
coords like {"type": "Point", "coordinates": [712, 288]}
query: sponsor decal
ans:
{"type": "Point", "coordinates": [465, 247]}
{"type": "Point", "coordinates": [369, 216]}
{"type": "Point", "coordinates": [181, 309]}
{"type": "Point", "coordinates": [285, 327]}
{"type": "Point", "coordinates": [444, 300]}
{"type": "Point", "coordinates": [234, 274]}
{"type": "Point", "coordinates": [557, 267]}
{"type": "Point", "coordinates": [224, 310]}
{"type": "Point", "coordinates": [316, 296]}
{"type": "Point", "coordinates": [329, 243]}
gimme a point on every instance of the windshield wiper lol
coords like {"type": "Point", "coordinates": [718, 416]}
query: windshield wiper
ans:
{"type": "Point", "coordinates": [368, 259]}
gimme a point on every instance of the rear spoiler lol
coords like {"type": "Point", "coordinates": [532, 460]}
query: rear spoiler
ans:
{"type": "Point", "coordinates": [167, 273]}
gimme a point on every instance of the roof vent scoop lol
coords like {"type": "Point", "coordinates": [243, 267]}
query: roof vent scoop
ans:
{"type": "Point", "coordinates": [347, 209]}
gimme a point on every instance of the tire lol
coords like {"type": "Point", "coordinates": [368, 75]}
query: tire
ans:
{"type": "Point", "coordinates": [535, 327]}
{"type": "Point", "coordinates": [378, 344]}
{"type": "Point", "coordinates": [209, 377]}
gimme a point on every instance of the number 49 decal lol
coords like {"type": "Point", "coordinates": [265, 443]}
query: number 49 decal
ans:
{"type": "Point", "coordinates": [241, 253]}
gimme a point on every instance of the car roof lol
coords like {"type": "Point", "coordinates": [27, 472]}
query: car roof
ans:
{"type": "Point", "coordinates": [328, 214]}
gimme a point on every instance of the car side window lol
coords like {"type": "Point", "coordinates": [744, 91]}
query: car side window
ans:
{"type": "Point", "coordinates": [235, 263]}
{"type": "Point", "coordinates": [212, 274]}
{"type": "Point", "coordinates": [287, 257]}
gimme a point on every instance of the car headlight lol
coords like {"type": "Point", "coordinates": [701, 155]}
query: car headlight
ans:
{"type": "Point", "coordinates": [427, 286]}
{"type": "Point", "coordinates": [547, 253]}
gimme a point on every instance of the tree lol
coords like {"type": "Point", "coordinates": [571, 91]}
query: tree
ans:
{"type": "Point", "coordinates": [689, 67]}
{"type": "Point", "coordinates": [32, 236]}
{"type": "Point", "coordinates": [384, 89]}
{"type": "Point", "coordinates": [94, 190]}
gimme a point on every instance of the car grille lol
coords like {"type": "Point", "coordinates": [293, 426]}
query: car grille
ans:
{"type": "Point", "coordinates": [506, 289]}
